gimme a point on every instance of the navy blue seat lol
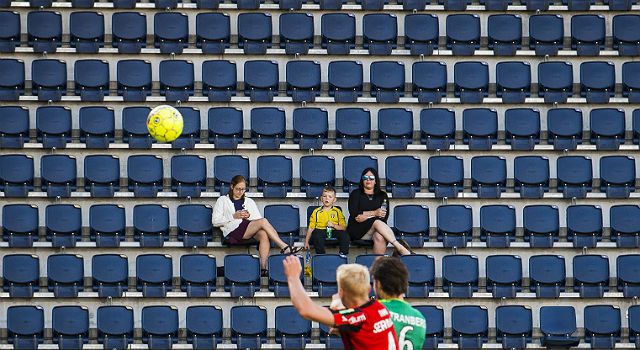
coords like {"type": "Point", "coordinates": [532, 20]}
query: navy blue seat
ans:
{"type": "Point", "coordinates": [513, 81]}
{"type": "Point", "coordinates": [587, 34]}
{"type": "Point", "coordinates": [454, 5]}
{"type": "Point", "coordinates": [91, 79]}
{"type": "Point", "coordinates": [310, 127]}
{"type": "Point", "coordinates": [617, 176]}
{"type": "Point", "coordinates": [578, 5]}
{"type": "Point", "coordinates": [213, 33]}
{"type": "Point", "coordinates": [547, 275]}
{"type": "Point", "coordinates": [176, 80]}
{"type": "Point", "coordinates": [248, 4]}
{"type": "Point", "coordinates": [435, 332]}
{"type": "Point", "coordinates": [261, 80]}
{"type": "Point", "coordinates": [20, 273]}
{"type": "Point", "coordinates": [285, 219]}
{"type": "Point", "coordinates": [153, 275]}
{"type": "Point", "coordinates": [65, 275]}
{"type": "Point", "coordinates": [574, 175]}
{"type": "Point", "coordinates": [170, 31]}
{"type": "Point", "coordinates": [488, 176]}
{"type": "Point", "coordinates": [225, 127]}
{"type": "Point", "coordinates": [166, 4]}
{"type": "Point", "coordinates": [352, 168]}
{"type": "Point", "coordinates": [151, 224]}
{"type": "Point", "coordinates": [345, 81]}
{"type": "Point", "coordinates": [531, 176]}
{"type": "Point", "coordinates": [460, 275]}
{"type": "Point", "coordinates": [268, 127]}
{"type": "Point", "coordinates": [107, 224]}
{"type": "Point", "coordinates": [628, 275]}
{"type": "Point", "coordinates": [198, 273]}
{"type": "Point", "coordinates": [625, 225]}
{"type": "Point", "coordinates": [455, 224]}
{"type": "Point", "coordinates": [134, 80]}
{"type": "Point", "coordinates": [58, 175]}
{"type": "Point", "coordinates": [190, 134]}
{"type": "Point", "coordinates": [124, 4]}
{"type": "Point", "coordinates": [330, 4]}
{"type": "Point", "coordinates": [254, 32]}
{"type": "Point", "coordinates": [110, 275]}
{"type": "Point", "coordinates": [248, 326]}
{"type": "Point", "coordinates": [275, 176]}
{"type": "Point", "coordinates": [421, 32]}
{"type": "Point", "coordinates": [316, 173]}
{"type": "Point", "coordinates": [471, 81]}
{"type": "Point", "coordinates": [25, 326]}
{"type": "Point", "coordinates": [625, 39]}
{"type": "Point", "coordinates": [631, 81]}
{"type": "Point", "coordinates": [101, 175]}
{"type": "Point", "coordinates": [422, 274]}
{"type": "Point", "coordinates": [446, 176]}
{"type": "Point", "coordinates": [219, 80]}
{"type": "Point", "coordinates": [20, 224]}
{"type": "Point", "coordinates": [134, 127]}
{"type": "Point", "coordinates": [86, 31]}
{"type": "Point", "coordinates": [480, 128]}
{"type": "Point", "coordinates": [323, 267]}
{"type": "Point", "coordinates": [225, 167]}
{"type": "Point", "coordinates": [634, 324]}
{"type": "Point", "coordinates": [463, 34]}
{"type": "Point", "coordinates": [353, 127]}
{"type": "Point", "coordinates": [504, 33]}
{"type": "Point", "coordinates": [591, 275]}
{"type": "Point", "coordinates": [14, 126]}
{"type": "Point", "coordinates": [144, 174]}
{"type": "Point", "coordinates": [541, 225]}
{"type": "Point", "coordinates": [10, 31]}
{"type": "Point", "coordinates": [555, 81]}
{"type": "Point", "coordinates": [11, 79]}
{"type": "Point", "coordinates": [557, 324]}
{"type": "Point", "coordinates": [470, 326]}
{"type": "Point", "coordinates": [70, 326]}
{"type": "Point", "coordinates": [16, 175]}
{"type": "Point", "coordinates": [204, 326]}
{"type": "Point", "coordinates": [115, 326]}
{"type": "Point", "coordinates": [387, 81]}
{"type": "Point", "coordinates": [498, 225]}
{"type": "Point", "coordinates": [296, 32]}
{"type": "Point", "coordinates": [129, 31]}
{"type": "Point", "coordinates": [546, 33]}
{"type": "Point", "coordinates": [49, 79]}
{"type": "Point", "coordinates": [514, 326]}
{"type": "Point", "coordinates": [277, 279]}
{"type": "Point", "coordinates": [241, 275]}
{"type": "Point", "coordinates": [429, 81]}
{"type": "Point", "coordinates": [194, 224]}
{"type": "Point", "coordinates": [522, 128]}
{"type": "Point", "coordinates": [159, 326]}
{"type": "Point", "coordinates": [53, 125]}
{"type": "Point", "coordinates": [379, 33]}
{"type": "Point", "coordinates": [403, 174]}
{"type": "Point", "coordinates": [411, 223]}
{"type": "Point", "coordinates": [504, 275]}
{"type": "Point", "coordinates": [395, 128]}
{"type": "Point", "coordinates": [607, 128]}
{"type": "Point", "coordinates": [44, 30]}
{"type": "Point", "coordinates": [602, 326]}
{"type": "Point", "coordinates": [188, 175]}
{"type": "Point", "coordinates": [437, 128]}
{"type": "Point", "coordinates": [411, 5]}
{"type": "Point", "coordinates": [338, 33]}
{"type": "Point", "coordinates": [620, 5]}
{"type": "Point", "coordinates": [597, 81]}
{"type": "Point", "coordinates": [303, 80]}
{"type": "Point", "coordinates": [63, 224]}
{"type": "Point", "coordinates": [564, 128]}
{"type": "Point", "coordinates": [292, 331]}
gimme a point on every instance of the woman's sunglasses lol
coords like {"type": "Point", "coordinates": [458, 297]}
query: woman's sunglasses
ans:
{"type": "Point", "coordinates": [368, 177]}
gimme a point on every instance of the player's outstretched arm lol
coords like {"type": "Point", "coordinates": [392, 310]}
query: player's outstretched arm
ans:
{"type": "Point", "coordinates": [301, 301]}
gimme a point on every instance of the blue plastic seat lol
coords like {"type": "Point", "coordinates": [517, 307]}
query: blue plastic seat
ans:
{"type": "Point", "coordinates": [634, 324]}
{"type": "Point", "coordinates": [541, 225]}
{"type": "Point", "coordinates": [134, 80]}
{"type": "Point", "coordinates": [86, 31]}
{"type": "Point", "coordinates": [460, 275]}
{"type": "Point", "coordinates": [352, 168]}
{"type": "Point", "coordinates": [564, 128]}
{"type": "Point", "coordinates": [546, 33]}
{"type": "Point", "coordinates": [470, 326]}
{"type": "Point", "coordinates": [134, 127]}
{"type": "Point", "coordinates": [587, 34]}
{"type": "Point", "coordinates": [21, 274]}
{"type": "Point", "coordinates": [248, 326]}
{"type": "Point", "coordinates": [58, 175]}
{"type": "Point", "coordinates": [292, 331]}
{"type": "Point", "coordinates": [421, 33]}
{"type": "Point", "coordinates": [303, 80]}
{"type": "Point", "coordinates": [16, 175]}
{"type": "Point", "coordinates": [411, 223]}
{"type": "Point", "coordinates": [124, 4]}
{"type": "Point", "coordinates": [471, 81]}
{"type": "Point", "coordinates": [504, 33]}
{"type": "Point", "coordinates": [159, 326]}
{"type": "Point", "coordinates": [435, 332]}
{"type": "Point", "coordinates": [70, 326]}
{"type": "Point", "coordinates": [522, 128]}
{"type": "Point", "coordinates": [63, 224]}
{"type": "Point", "coordinates": [597, 81]}
{"type": "Point", "coordinates": [403, 174]}
{"type": "Point", "coordinates": [20, 224]}
{"type": "Point", "coordinates": [277, 279]}
{"type": "Point", "coordinates": [153, 275]}
{"type": "Point", "coordinates": [620, 5]}
{"type": "Point", "coordinates": [204, 326]}
{"type": "Point", "coordinates": [275, 176]}
{"type": "Point", "coordinates": [555, 81]}
{"type": "Point", "coordinates": [190, 134]}
{"type": "Point", "coordinates": [171, 31]}
{"type": "Point", "coordinates": [353, 127]}
{"type": "Point", "coordinates": [557, 324]}
{"type": "Point", "coordinates": [379, 33]}
{"type": "Point", "coordinates": [625, 39]}
{"type": "Point", "coordinates": [11, 79]}
{"type": "Point", "coordinates": [225, 127]}
{"type": "Point", "coordinates": [107, 224]}
{"type": "Point", "coordinates": [129, 31]}
{"type": "Point", "coordinates": [110, 275]}
{"type": "Point", "coordinates": [513, 81]}
{"type": "Point", "coordinates": [330, 4]}
{"type": "Point", "coordinates": [254, 32]}
{"type": "Point", "coordinates": [602, 326]}
{"type": "Point", "coordinates": [578, 5]}
{"type": "Point", "coordinates": [219, 80]}
{"type": "Point", "coordinates": [144, 175]}
{"type": "Point", "coordinates": [268, 126]}
{"type": "Point", "coordinates": [310, 127]}
{"type": "Point", "coordinates": [422, 274]}
{"type": "Point", "coordinates": [395, 128]}
{"type": "Point", "coordinates": [429, 81]}
{"type": "Point", "coordinates": [101, 175]}
{"type": "Point", "coordinates": [617, 176]}
{"type": "Point", "coordinates": [591, 275]}
{"type": "Point", "coordinates": [151, 224]}
{"type": "Point", "coordinates": [628, 275]}
{"type": "Point", "coordinates": [574, 175]}
{"type": "Point", "coordinates": [463, 34]}
{"type": "Point", "coordinates": [631, 81]}
{"type": "Point", "coordinates": [338, 33]}
{"type": "Point", "coordinates": [91, 79]}
{"type": "Point", "coordinates": [625, 225]}
{"type": "Point", "coordinates": [14, 126]}
{"type": "Point", "coordinates": [188, 175]}
{"type": "Point", "coordinates": [241, 275]}
{"type": "Point", "coordinates": [25, 326]}
{"type": "Point", "coordinates": [455, 224]}
{"type": "Point", "coordinates": [323, 267]}
{"type": "Point", "coordinates": [213, 33]}
{"type": "Point", "coordinates": [547, 275]}
{"type": "Point", "coordinates": [454, 5]}
{"type": "Point", "coordinates": [261, 80]}
{"type": "Point", "coordinates": [488, 176]}
{"type": "Point", "coordinates": [44, 30]}
{"type": "Point", "coordinates": [345, 81]}
{"type": "Point", "coordinates": [504, 275]}
{"type": "Point", "coordinates": [194, 224]}
{"type": "Point", "coordinates": [531, 176]}
{"type": "Point", "coordinates": [498, 225]}
{"type": "Point", "coordinates": [65, 275]}
{"type": "Point", "coordinates": [285, 219]}
{"type": "Point", "coordinates": [225, 167]}
{"type": "Point", "coordinates": [198, 273]}
{"type": "Point", "coordinates": [296, 32]}
{"type": "Point", "coordinates": [53, 125]}
{"type": "Point", "coordinates": [607, 128]}
{"type": "Point", "coordinates": [49, 79]}
{"type": "Point", "coordinates": [316, 173]}
{"type": "Point", "coordinates": [437, 128]}
{"type": "Point", "coordinates": [446, 176]}
{"type": "Point", "coordinates": [115, 326]}
{"type": "Point", "coordinates": [176, 80]}
{"type": "Point", "coordinates": [480, 128]}
{"type": "Point", "coordinates": [514, 326]}
{"type": "Point", "coordinates": [10, 31]}
{"type": "Point", "coordinates": [387, 81]}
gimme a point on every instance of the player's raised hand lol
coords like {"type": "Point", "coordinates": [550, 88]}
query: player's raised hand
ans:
{"type": "Point", "coordinates": [292, 267]}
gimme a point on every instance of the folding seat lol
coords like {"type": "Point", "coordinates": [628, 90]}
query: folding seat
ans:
{"type": "Point", "coordinates": [597, 81]}
{"type": "Point", "coordinates": [101, 175]}
{"type": "Point", "coordinates": [160, 326]}
{"type": "Point", "coordinates": [607, 128]}
{"type": "Point", "coordinates": [470, 326]}
{"type": "Point", "coordinates": [303, 80]}
{"type": "Point", "coordinates": [91, 80]}
{"type": "Point", "coordinates": [574, 176]}
{"type": "Point", "coordinates": [395, 128]}
{"type": "Point", "coordinates": [25, 326]}
{"type": "Point", "coordinates": [379, 33]}
{"type": "Point", "coordinates": [44, 30]}
{"type": "Point", "coordinates": [471, 81]}
{"type": "Point", "coordinates": [488, 176]}
{"type": "Point", "coordinates": [633, 315]}
{"type": "Point", "coordinates": [504, 275]}
{"type": "Point", "coordinates": [225, 167]}
{"type": "Point", "coordinates": [254, 32]}
{"type": "Point", "coordinates": [190, 134]}
{"type": "Point", "coordinates": [277, 279]}
{"type": "Point", "coordinates": [10, 31]}
{"type": "Point", "coordinates": [14, 126]}
{"type": "Point", "coordinates": [144, 173]}
{"type": "Point", "coordinates": [498, 225]}
{"type": "Point", "coordinates": [541, 225]}
{"type": "Point", "coordinates": [403, 174]}
{"type": "Point", "coordinates": [176, 80]}
{"type": "Point", "coordinates": [198, 273]}
{"type": "Point", "coordinates": [631, 81]}
{"type": "Point", "coordinates": [323, 268]}
{"type": "Point", "coordinates": [620, 5]}
{"type": "Point", "coordinates": [110, 274]}
{"type": "Point", "coordinates": [578, 5]}
{"type": "Point", "coordinates": [248, 4]}
{"type": "Point", "coordinates": [454, 224]}
{"type": "Point", "coordinates": [285, 219]}
{"type": "Point", "coordinates": [219, 80]}
{"type": "Point", "coordinates": [241, 275]}
{"type": "Point", "coordinates": [353, 128]}
{"type": "Point", "coordinates": [531, 176]}
{"type": "Point", "coordinates": [11, 79]}
{"type": "Point", "coordinates": [153, 274]}
{"type": "Point", "coordinates": [555, 81]}
{"type": "Point", "coordinates": [115, 326]}
{"type": "Point", "coordinates": [591, 275]}
{"type": "Point", "coordinates": [514, 326]}
{"type": "Point", "coordinates": [522, 128]}
{"type": "Point", "coordinates": [411, 223]}
{"type": "Point", "coordinates": [49, 79]}
{"type": "Point", "coordinates": [421, 275]}
{"type": "Point", "coordinates": [352, 168]}
{"type": "Point", "coordinates": [463, 34]}
{"type": "Point", "coordinates": [213, 33]}
{"type": "Point", "coordinates": [70, 326]}
{"type": "Point", "coordinates": [316, 173]}
{"type": "Point", "coordinates": [480, 128]}
{"type": "Point", "coordinates": [421, 32]}
{"type": "Point", "coordinates": [261, 80]}
{"type": "Point", "coordinates": [617, 176]}
{"type": "Point", "coordinates": [194, 224]}
{"type": "Point", "coordinates": [65, 275]}
{"type": "Point", "coordinates": [151, 224]}
{"type": "Point", "coordinates": [16, 175]}
{"type": "Point", "coordinates": [625, 225]}
{"type": "Point", "coordinates": [86, 31]}
{"type": "Point", "coordinates": [345, 81]}
{"type": "Point", "coordinates": [557, 324]}
{"type": "Point", "coordinates": [275, 176]}
{"type": "Point", "coordinates": [546, 33]}
{"type": "Point", "coordinates": [58, 175]}
{"type": "Point", "coordinates": [602, 326]}
{"type": "Point", "coordinates": [628, 275]}
{"type": "Point", "coordinates": [20, 224]}
{"type": "Point", "coordinates": [204, 326]}
{"type": "Point", "coordinates": [166, 4]}
{"type": "Point", "coordinates": [129, 31]}
{"type": "Point", "coordinates": [107, 224]}
{"type": "Point", "coordinates": [513, 81]}
{"type": "Point", "coordinates": [460, 275]}
{"type": "Point", "coordinates": [437, 128]}
{"type": "Point", "coordinates": [564, 128]}
{"type": "Point", "coordinates": [188, 175]}
{"type": "Point", "coordinates": [587, 34]}
{"type": "Point", "coordinates": [310, 127]}
{"type": "Point", "coordinates": [446, 176]}
{"type": "Point", "coordinates": [292, 331]}
{"type": "Point", "coordinates": [435, 332]}
{"type": "Point", "coordinates": [248, 326]}
{"type": "Point", "coordinates": [625, 39]}
{"type": "Point", "coordinates": [547, 275]}
{"type": "Point", "coordinates": [170, 31]}
{"type": "Point", "coordinates": [40, 3]}
{"type": "Point", "coordinates": [504, 33]}
{"type": "Point", "coordinates": [338, 33]}
{"type": "Point", "coordinates": [225, 127]}
{"type": "Point", "coordinates": [124, 4]}
{"type": "Point", "coordinates": [296, 32]}
{"type": "Point", "coordinates": [53, 125]}
{"type": "Point", "coordinates": [134, 127]}
{"type": "Point", "coordinates": [366, 260]}
{"type": "Point", "coordinates": [429, 81]}
{"type": "Point", "coordinates": [82, 3]}
{"type": "Point", "coordinates": [387, 81]}
{"type": "Point", "coordinates": [20, 273]}
{"type": "Point", "coordinates": [268, 127]}
{"type": "Point", "coordinates": [63, 223]}
{"type": "Point", "coordinates": [134, 80]}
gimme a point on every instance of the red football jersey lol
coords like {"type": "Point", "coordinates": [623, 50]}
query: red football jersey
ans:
{"type": "Point", "coordinates": [368, 327]}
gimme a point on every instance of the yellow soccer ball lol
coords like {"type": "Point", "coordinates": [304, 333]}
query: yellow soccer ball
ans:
{"type": "Point", "coordinates": [165, 123]}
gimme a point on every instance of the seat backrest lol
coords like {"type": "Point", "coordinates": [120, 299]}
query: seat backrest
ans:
{"type": "Point", "coordinates": [261, 74]}
{"type": "Point", "coordinates": [504, 269]}
{"type": "Point", "coordinates": [338, 27]}
{"type": "Point", "coordinates": [463, 28]}
{"type": "Point", "coordinates": [129, 26]}
{"type": "Point", "coordinates": [446, 170]}
{"type": "Point", "coordinates": [353, 166]}
{"type": "Point", "coordinates": [429, 75]}
{"type": "Point", "coordinates": [86, 25]}
{"type": "Point", "coordinates": [489, 169]}
{"type": "Point", "coordinates": [324, 267]}
{"type": "Point", "coordinates": [25, 320]}
{"type": "Point", "coordinates": [624, 218]}
{"type": "Point", "coordinates": [154, 268]}
{"type": "Point", "coordinates": [541, 219]}
{"type": "Point", "coordinates": [381, 27]}
{"type": "Point", "coordinates": [14, 120]}
{"type": "Point", "coordinates": [421, 268]}
{"type": "Point", "coordinates": [522, 122]}
{"type": "Point", "coordinates": [191, 122]}
{"type": "Point", "coordinates": [171, 26]}
{"type": "Point", "coordinates": [588, 28]}
{"type": "Point", "coordinates": [276, 268]}
{"type": "Point", "coordinates": [70, 320]}
{"type": "Point", "coordinates": [454, 218]}
{"type": "Point", "coordinates": [285, 218]}
{"type": "Point", "coordinates": [176, 74]}
{"type": "Point", "coordinates": [49, 73]}
{"type": "Point", "coordinates": [275, 169]}
{"type": "Point", "coordinates": [194, 218]}
{"type": "Point", "coordinates": [248, 320]}
{"type": "Point", "coordinates": [144, 169]}
{"type": "Point", "coordinates": [598, 75]}
{"type": "Point", "coordinates": [21, 218]}
{"type": "Point", "coordinates": [574, 170]}
{"type": "Point", "coordinates": [628, 268]}
{"type": "Point", "coordinates": [151, 218]}
{"type": "Point", "coordinates": [44, 25]}
{"type": "Point", "coordinates": [303, 75]}
{"type": "Point", "coordinates": [470, 320]}
{"type": "Point", "coordinates": [309, 121]}
{"type": "Point", "coordinates": [345, 75]}
{"type": "Point", "coordinates": [63, 218]}
{"type": "Point", "coordinates": [213, 27]}
{"type": "Point", "coordinates": [546, 28]}
{"type": "Point", "coordinates": [471, 75]}
{"type": "Point", "coordinates": [115, 320]}
{"type": "Point", "coordinates": [622, 28]}
{"type": "Point", "coordinates": [403, 170]}
{"type": "Point", "coordinates": [65, 268]}
{"type": "Point", "coordinates": [134, 74]}
{"type": "Point", "coordinates": [225, 167]}
{"type": "Point", "coordinates": [11, 73]}
{"type": "Point", "coordinates": [317, 169]}
{"type": "Point", "coordinates": [219, 74]}
{"type": "Point", "coordinates": [410, 218]}
{"type": "Point", "coordinates": [504, 28]}
{"type": "Point", "coordinates": [514, 320]}
{"type": "Point", "coordinates": [498, 219]}
{"type": "Point", "coordinates": [602, 320]}
{"type": "Point", "coordinates": [591, 269]}
{"type": "Point", "coordinates": [10, 25]}
{"type": "Point", "coordinates": [564, 122]}
{"type": "Point", "coordinates": [58, 168]}
{"type": "Point", "coordinates": [204, 320]}
{"type": "Point", "coordinates": [395, 122]}
{"type": "Point", "coordinates": [289, 322]}
{"type": "Point", "coordinates": [268, 121]}
{"type": "Point", "coordinates": [53, 120]}
{"type": "Point", "coordinates": [480, 122]}
{"type": "Point", "coordinates": [198, 268]}
{"type": "Point", "coordinates": [421, 27]}
{"type": "Point", "coordinates": [607, 122]}
{"type": "Point", "coordinates": [225, 121]}
{"type": "Point", "coordinates": [618, 170]}
{"type": "Point", "coordinates": [97, 120]}
{"type": "Point", "coordinates": [241, 268]}
{"type": "Point", "coordinates": [102, 169]}
{"type": "Point", "coordinates": [435, 315]}
{"type": "Point", "coordinates": [547, 269]}
{"type": "Point", "coordinates": [254, 27]}
{"type": "Point", "coordinates": [160, 320]}
{"type": "Point", "coordinates": [107, 218]}
{"type": "Point", "coordinates": [110, 268]}
{"type": "Point", "coordinates": [531, 170]}
{"type": "Point", "coordinates": [387, 75]}
{"type": "Point", "coordinates": [513, 75]}
{"type": "Point", "coordinates": [20, 268]}
{"type": "Point", "coordinates": [438, 122]}
{"type": "Point", "coordinates": [296, 27]}
{"type": "Point", "coordinates": [584, 219]}
{"type": "Point", "coordinates": [557, 320]}
{"type": "Point", "coordinates": [555, 75]}
{"type": "Point", "coordinates": [188, 168]}
{"type": "Point", "coordinates": [353, 122]}
{"type": "Point", "coordinates": [460, 269]}
{"type": "Point", "coordinates": [16, 168]}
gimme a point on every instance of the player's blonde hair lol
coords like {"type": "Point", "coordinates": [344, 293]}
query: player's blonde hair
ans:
{"type": "Point", "coordinates": [353, 279]}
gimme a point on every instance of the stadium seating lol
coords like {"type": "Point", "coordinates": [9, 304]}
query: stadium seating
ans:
{"type": "Point", "coordinates": [12, 83]}
{"type": "Point", "coordinates": [86, 30]}
{"type": "Point", "coordinates": [213, 33]}
{"type": "Point", "coordinates": [97, 126]}
{"type": "Point", "coordinates": [110, 274]}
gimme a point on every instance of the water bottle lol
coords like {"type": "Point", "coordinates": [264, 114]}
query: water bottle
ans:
{"type": "Point", "coordinates": [329, 231]}
{"type": "Point", "coordinates": [384, 205]}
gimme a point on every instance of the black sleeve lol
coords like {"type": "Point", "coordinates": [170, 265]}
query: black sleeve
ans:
{"type": "Point", "coordinates": [354, 204]}
{"type": "Point", "coordinates": [385, 196]}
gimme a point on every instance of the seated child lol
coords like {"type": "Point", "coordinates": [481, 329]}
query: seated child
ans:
{"type": "Point", "coordinates": [327, 216]}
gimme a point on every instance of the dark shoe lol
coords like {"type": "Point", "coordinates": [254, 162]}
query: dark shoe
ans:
{"type": "Point", "coordinates": [291, 250]}
{"type": "Point", "coordinates": [264, 273]}
{"type": "Point", "coordinates": [403, 243]}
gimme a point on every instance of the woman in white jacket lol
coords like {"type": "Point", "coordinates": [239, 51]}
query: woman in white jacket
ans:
{"type": "Point", "coordinates": [240, 220]}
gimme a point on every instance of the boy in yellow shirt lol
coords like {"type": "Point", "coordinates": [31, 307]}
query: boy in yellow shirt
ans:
{"type": "Point", "coordinates": [327, 218]}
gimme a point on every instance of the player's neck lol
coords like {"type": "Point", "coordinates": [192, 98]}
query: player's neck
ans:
{"type": "Point", "coordinates": [355, 302]}
{"type": "Point", "coordinates": [383, 296]}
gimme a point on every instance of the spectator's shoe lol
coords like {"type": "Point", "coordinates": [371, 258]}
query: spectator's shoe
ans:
{"type": "Point", "coordinates": [403, 243]}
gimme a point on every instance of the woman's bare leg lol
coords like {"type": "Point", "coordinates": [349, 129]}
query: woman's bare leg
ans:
{"type": "Point", "coordinates": [383, 230]}
{"type": "Point", "coordinates": [263, 247]}
{"type": "Point", "coordinates": [379, 243]}
{"type": "Point", "coordinates": [264, 225]}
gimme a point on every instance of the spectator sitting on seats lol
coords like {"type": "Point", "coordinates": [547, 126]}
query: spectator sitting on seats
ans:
{"type": "Point", "coordinates": [323, 217]}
